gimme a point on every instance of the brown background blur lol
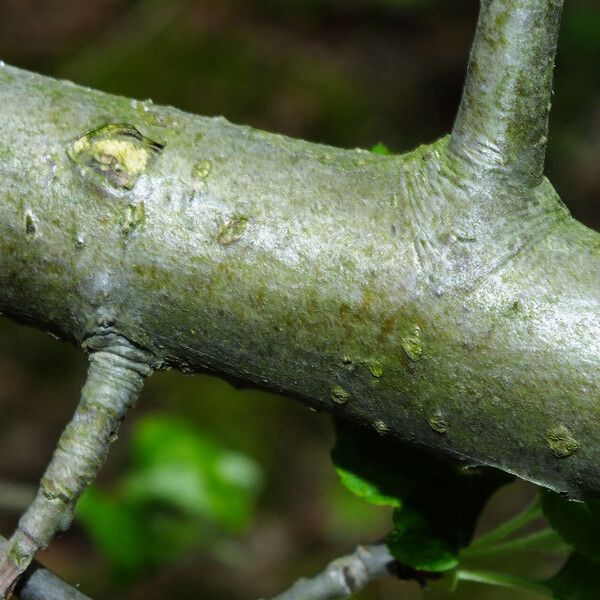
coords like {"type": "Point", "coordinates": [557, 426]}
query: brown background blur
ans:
{"type": "Point", "coordinates": [344, 72]}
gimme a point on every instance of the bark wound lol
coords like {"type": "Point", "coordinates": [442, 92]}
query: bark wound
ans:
{"type": "Point", "coordinates": [117, 153]}
{"type": "Point", "coordinates": [412, 344]}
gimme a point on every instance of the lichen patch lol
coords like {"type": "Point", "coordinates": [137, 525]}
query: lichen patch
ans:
{"type": "Point", "coordinates": [340, 395]}
{"type": "Point", "coordinates": [134, 216]}
{"type": "Point", "coordinates": [412, 344]}
{"type": "Point", "coordinates": [201, 170]}
{"type": "Point", "coordinates": [561, 441]}
{"type": "Point", "coordinates": [437, 422]}
{"type": "Point", "coordinates": [232, 230]}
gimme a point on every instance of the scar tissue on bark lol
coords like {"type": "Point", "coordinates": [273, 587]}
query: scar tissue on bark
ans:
{"type": "Point", "coordinates": [116, 152]}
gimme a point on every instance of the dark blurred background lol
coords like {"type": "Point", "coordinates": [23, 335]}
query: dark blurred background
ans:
{"type": "Point", "coordinates": [212, 492]}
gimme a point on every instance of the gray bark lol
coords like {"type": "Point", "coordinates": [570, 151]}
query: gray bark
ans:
{"type": "Point", "coordinates": [115, 378]}
{"type": "Point", "coordinates": [38, 583]}
{"type": "Point", "coordinates": [308, 269]}
{"type": "Point", "coordinates": [344, 576]}
{"type": "Point", "coordinates": [444, 297]}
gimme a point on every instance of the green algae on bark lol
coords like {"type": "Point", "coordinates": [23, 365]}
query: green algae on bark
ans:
{"type": "Point", "coordinates": [448, 281]}
{"type": "Point", "coordinates": [444, 298]}
{"type": "Point", "coordinates": [482, 301]}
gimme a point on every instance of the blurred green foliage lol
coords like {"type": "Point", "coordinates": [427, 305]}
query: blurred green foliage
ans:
{"type": "Point", "coordinates": [436, 504]}
{"type": "Point", "coordinates": [380, 148]}
{"type": "Point", "coordinates": [181, 489]}
{"type": "Point", "coordinates": [579, 579]}
{"type": "Point", "coordinates": [577, 522]}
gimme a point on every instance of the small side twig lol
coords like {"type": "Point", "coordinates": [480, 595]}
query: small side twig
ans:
{"type": "Point", "coordinates": [115, 377]}
{"type": "Point", "coordinates": [502, 123]}
{"type": "Point", "coordinates": [39, 583]}
{"type": "Point", "coordinates": [349, 574]}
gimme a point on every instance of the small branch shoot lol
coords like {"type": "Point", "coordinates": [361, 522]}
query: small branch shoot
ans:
{"type": "Point", "coordinates": [115, 378]}
{"type": "Point", "coordinates": [502, 122]}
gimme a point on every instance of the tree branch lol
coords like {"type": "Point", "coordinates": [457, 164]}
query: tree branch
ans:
{"type": "Point", "coordinates": [344, 576]}
{"type": "Point", "coordinates": [114, 382]}
{"type": "Point", "coordinates": [391, 290]}
{"type": "Point", "coordinates": [399, 291]}
{"type": "Point", "coordinates": [502, 123]}
{"type": "Point", "coordinates": [38, 583]}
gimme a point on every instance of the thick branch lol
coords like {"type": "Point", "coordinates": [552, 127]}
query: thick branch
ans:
{"type": "Point", "coordinates": [398, 291]}
{"type": "Point", "coordinates": [502, 123]}
{"type": "Point", "coordinates": [344, 576]}
{"type": "Point", "coordinates": [115, 379]}
{"type": "Point", "coordinates": [448, 285]}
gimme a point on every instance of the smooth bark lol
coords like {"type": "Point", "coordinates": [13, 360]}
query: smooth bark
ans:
{"type": "Point", "coordinates": [444, 297]}
{"type": "Point", "coordinates": [345, 576]}
{"type": "Point", "coordinates": [391, 290]}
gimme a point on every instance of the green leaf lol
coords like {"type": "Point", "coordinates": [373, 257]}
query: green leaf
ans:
{"type": "Point", "coordinates": [579, 579]}
{"type": "Point", "coordinates": [175, 465]}
{"type": "Point", "coordinates": [437, 503]}
{"type": "Point", "coordinates": [362, 461]}
{"type": "Point", "coordinates": [578, 523]}
{"type": "Point", "coordinates": [117, 531]}
{"type": "Point", "coordinates": [181, 489]}
{"type": "Point", "coordinates": [367, 490]}
{"type": "Point", "coordinates": [438, 517]}
{"type": "Point", "coordinates": [380, 148]}
{"type": "Point", "coordinates": [414, 541]}
{"type": "Point", "coordinates": [179, 485]}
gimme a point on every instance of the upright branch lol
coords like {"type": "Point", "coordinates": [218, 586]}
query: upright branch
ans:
{"type": "Point", "coordinates": [502, 122]}
{"type": "Point", "coordinates": [114, 382]}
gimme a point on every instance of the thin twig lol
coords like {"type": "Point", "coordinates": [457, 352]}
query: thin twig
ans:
{"type": "Point", "coordinates": [38, 583]}
{"type": "Point", "coordinates": [115, 378]}
{"type": "Point", "coordinates": [344, 576]}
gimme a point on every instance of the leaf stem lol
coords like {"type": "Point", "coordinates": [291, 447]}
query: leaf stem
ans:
{"type": "Point", "coordinates": [546, 539]}
{"type": "Point", "coordinates": [502, 580]}
{"type": "Point", "coordinates": [532, 512]}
